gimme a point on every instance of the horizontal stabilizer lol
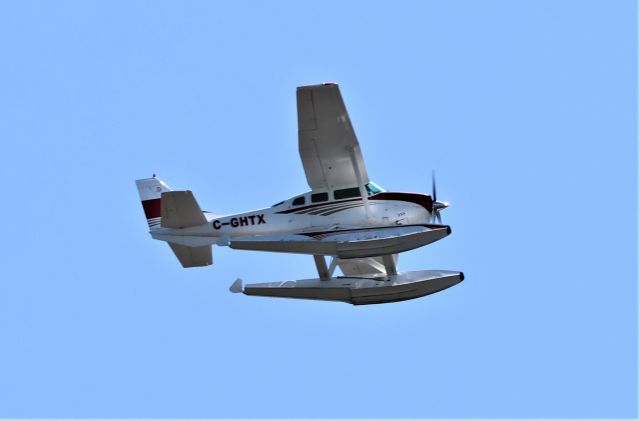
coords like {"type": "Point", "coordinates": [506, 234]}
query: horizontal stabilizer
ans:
{"type": "Point", "coordinates": [192, 256]}
{"type": "Point", "coordinates": [179, 209]}
{"type": "Point", "coordinates": [347, 244]}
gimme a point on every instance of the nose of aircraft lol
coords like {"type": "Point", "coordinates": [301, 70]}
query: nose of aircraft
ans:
{"type": "Point", "coordinates": [438, 205]}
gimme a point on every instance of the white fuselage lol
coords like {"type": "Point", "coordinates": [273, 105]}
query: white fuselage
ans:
{"type": "Point", "coordinates": [383, 210]}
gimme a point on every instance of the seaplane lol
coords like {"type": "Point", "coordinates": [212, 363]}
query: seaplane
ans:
{"type": "Point", "coordinates": [345, 217]}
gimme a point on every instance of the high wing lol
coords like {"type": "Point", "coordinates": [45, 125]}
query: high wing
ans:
{"type": "Point", "coordinates": [328, 146]}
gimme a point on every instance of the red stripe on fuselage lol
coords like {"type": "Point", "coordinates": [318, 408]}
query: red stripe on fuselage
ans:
{"type": "Point", "coordinates": [317, 205]}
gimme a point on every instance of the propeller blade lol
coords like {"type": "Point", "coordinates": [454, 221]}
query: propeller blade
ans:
{"type": "Point", "coordinates": [433, 185]}
{"type": "Point", "coordinates": [436, 206]}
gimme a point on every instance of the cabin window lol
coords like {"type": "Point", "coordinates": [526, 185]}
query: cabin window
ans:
{"type": "Point", "coordinates": [319, 197]}
{"type": "Point", "coordinates": [298, 201]}
{"type": "Point", "coordinates": [346, 193]}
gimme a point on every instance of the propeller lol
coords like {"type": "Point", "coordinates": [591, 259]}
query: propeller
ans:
{"type": "Point", "coordinates": [437, 206]}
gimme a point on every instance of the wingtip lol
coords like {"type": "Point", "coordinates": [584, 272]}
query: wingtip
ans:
{"type": "Point", "coordinates": [318, 85]}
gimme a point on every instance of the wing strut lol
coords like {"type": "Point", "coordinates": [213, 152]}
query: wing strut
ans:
{"type": "Point", "coordinates": [389, 264]}
{"type": "Point", "coordinates": [363, 191]}
{"type": "Point", "coordinates": [332, 266]}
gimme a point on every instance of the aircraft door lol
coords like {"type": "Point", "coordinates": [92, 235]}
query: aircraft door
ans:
{"type": "Point", "coordinates": [299, 217]}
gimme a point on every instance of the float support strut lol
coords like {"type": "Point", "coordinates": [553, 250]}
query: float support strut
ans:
{"type": "Point", "coordinates": [321, 264]}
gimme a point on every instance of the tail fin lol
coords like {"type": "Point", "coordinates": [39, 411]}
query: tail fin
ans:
{"type": "Point", "coordinates": [150, 190]}
{"type": "Point", "coordinates": [181, 209]}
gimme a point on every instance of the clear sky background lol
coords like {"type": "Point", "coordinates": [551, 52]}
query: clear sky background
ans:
{"type": "Point", "coordinates": [525, 109]}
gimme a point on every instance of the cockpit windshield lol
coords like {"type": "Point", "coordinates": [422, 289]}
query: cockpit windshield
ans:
{"type": "Point", "coordinates": [277, 204]}
{"type": "Point", "coordinates": [373, 188]}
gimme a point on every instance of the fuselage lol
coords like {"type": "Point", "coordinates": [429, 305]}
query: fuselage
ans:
{"type": "Point", "coordinates": [301, 214]}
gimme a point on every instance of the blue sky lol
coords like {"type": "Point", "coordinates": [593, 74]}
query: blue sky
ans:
{"type": "Point", "coordinates": [526, 110]}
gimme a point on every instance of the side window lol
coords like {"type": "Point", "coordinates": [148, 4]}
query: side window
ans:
{"type": "Point", "coordinates": [298, 201]}
{"type": "Point", "coordinates": [346, 193]}
{"type": "Point", "coordinates": [319, 197]}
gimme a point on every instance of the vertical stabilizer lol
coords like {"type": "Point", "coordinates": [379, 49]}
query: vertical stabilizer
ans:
{"type": "Point", "coordinates": [150, 190]}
